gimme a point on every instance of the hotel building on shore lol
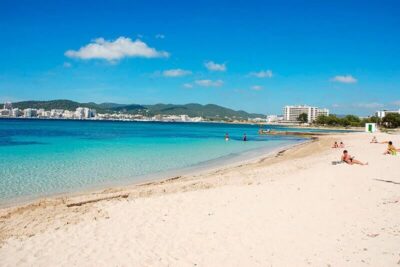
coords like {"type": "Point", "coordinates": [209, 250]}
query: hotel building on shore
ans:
{"type": "Point", "coordinates": [292, 113]}
{"type": "Point", "coordinates": [382, 113]}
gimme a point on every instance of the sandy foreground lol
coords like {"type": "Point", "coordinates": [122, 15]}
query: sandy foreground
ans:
{"type": "Point", "coordinates": [294, 209]}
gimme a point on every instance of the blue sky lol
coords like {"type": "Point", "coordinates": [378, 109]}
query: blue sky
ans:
{"type": "Point", "coordinates": [251, 55]}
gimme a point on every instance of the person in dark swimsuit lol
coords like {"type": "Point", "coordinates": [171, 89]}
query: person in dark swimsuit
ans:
{"type": "Point", "coordinates": [350, 160]}
{"type": "Point", "coordinates": [245, 137]}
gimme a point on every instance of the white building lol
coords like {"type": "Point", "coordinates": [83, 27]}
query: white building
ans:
{"type": "Point", "coordinates": [292, 113]}
{"type": "Point", "coordinates": [84, 113]}
{"type": "Point", "coordinates": [274, 118]}
{"type": "Point", "coordinates": [41, 112]}
{"type": "Point", "coordinates": [5, 112]}
{"type": "Point", "coordinates": [196, 119]}
{"type": "Point", "coordinates": [322, 111]}
{"type": "Point", "coordinates": [185, 118]}
{"type": "Point", "coordinates": [15, 112]}
{"type": "Point", "coordinates": [383, 113]}
{"type": "Point", "coordinates": [30, 113]}
{"type": "Point", "coordinates": [68, 114]}
{"type": "Point", "coordinates": [8, 105]}
{"type": "Point", "coordinates": [56, 113]}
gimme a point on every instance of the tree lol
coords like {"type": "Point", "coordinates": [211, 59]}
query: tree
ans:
{"type": "Point", "coordinates": [391, 120]}
{"type": "Point", "coordinates": [373, 119]}
{"type": "Point", "coordinates": [322, 120]}
{"type": "Point", "coordinates": [303, 118]}
{"type": "Point", "coordinates": [333, 120]}
{"type": "Point", "coordinates": [351, 120]}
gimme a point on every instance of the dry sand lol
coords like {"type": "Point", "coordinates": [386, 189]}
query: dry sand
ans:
{"type": "Point", "coordinates": [294, 209]}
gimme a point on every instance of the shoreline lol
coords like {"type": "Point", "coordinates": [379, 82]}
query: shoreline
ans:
{"type": "Point", "coordinates": [293, 208]}
{"type": "Point", "coordinates": [284, 125]}
{"type": "Point", "coordinates": [87, 198]}
{"type": "Point", "coordinates": [224, 162]}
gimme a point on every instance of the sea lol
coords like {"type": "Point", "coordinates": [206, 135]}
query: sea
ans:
{"type": "Point", "coordinates": [40, 158]}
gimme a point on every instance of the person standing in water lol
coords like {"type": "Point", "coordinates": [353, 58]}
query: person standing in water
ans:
{"type": "Point", "coordinates": [226, 137]}
{"type": "Point", "coordinates": [245, 137]}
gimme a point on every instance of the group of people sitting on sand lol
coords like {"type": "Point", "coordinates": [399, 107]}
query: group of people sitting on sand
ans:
{"type": "Point", "coordinates": [347, 158]}
{"type": "Point", "coordinates": [336, 145]}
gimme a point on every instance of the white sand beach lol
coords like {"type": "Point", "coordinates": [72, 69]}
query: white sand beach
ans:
{"type": "Point", "coordinates": [294, 209]}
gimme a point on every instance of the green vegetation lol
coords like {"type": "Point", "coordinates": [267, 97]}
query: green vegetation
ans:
{"type": "Point", "coordinates": [303, 118]}
{"type": "Point", "coordinates": [391, 120]}
{"type": "Point", "coordinates": [58, 104]}
{"type": "Point", "coordinates": [210, 111]}
{"type": "Point", "coordinates": [197, 110]}
{"type": "Point", "coordinates": [346, 121]}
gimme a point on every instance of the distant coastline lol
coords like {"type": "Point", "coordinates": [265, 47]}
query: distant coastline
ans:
{"type": "Point", "coordinates": [261, 124]}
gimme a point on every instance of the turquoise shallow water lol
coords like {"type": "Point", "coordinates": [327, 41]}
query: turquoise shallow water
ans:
{"type": "Point", "coordinates": [43, 157]}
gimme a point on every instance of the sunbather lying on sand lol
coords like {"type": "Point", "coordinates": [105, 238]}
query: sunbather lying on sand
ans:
{"type": "Point", "coordinates": [350, 160]}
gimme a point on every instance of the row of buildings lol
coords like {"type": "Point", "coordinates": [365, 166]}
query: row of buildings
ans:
{"type": "Point", "coordinates": [139, 117]}
{"type": "Point", "coordinates": [292, 113]}
{"type": "Point", "coordinates": [83, 113]}
{"type": "Point", "coordinates": [79, 113]}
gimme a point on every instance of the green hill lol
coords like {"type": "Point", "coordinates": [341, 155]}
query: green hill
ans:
{"type": "Point", "coordinates": [192, 110]}
{"type": "Point", "coordinates": [198, 110]}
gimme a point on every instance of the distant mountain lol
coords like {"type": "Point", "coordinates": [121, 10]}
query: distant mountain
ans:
{"type": "Point", "coordinates": [192, 110]}
{"type": "Point", "coordinates": [58, 104]}
{"type": "Point", "coordinates": [110, 105]}
{"type": "Point", "coordinates": [198, 110]}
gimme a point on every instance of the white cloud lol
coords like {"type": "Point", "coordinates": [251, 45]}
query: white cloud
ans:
{"type": "Point", "coordinates": [335, 105]}
{"type": "Point", "coordinates": [369, 105]}
{"type": "Point", "coordinates": [176, 73]}
{"type": "Point", "coordinates": [67, 65]}
{"type": "Point", "coordinates": [344, 79]}
{"type": "Point", "coordinates": [212, 66]}
{"type": "Point", "coordinates": [115, 50]}
{"type": "Point", "coordinates": [262, 74]}
{"type": "Point", "coordinates": [257, 87]}
{"type": "Point", "coordinates": [209, 83]}
{"type": "Point", "coordinates": [188, 85]}
{"type": "Point", "coordinates": [160, 36]}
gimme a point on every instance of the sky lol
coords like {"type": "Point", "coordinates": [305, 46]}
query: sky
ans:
{"type": "Point", "coordinates": [251, 55]}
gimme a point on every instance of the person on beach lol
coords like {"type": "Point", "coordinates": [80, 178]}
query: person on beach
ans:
{"type": "Point", "coordinates": [335, 145]}
{"type": "Point", "coordinates": [391, 149]}
{"type": "Point", "coordinates": [226, 137]}
{"type": "Point", "coordinates": [374, 140]}
{"type": "Point", "coordinates": [350, 160]}
{"type": "Point", "coordinates": [245, 137]}
{"type": "Point", "coordinates": [341, 145]}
